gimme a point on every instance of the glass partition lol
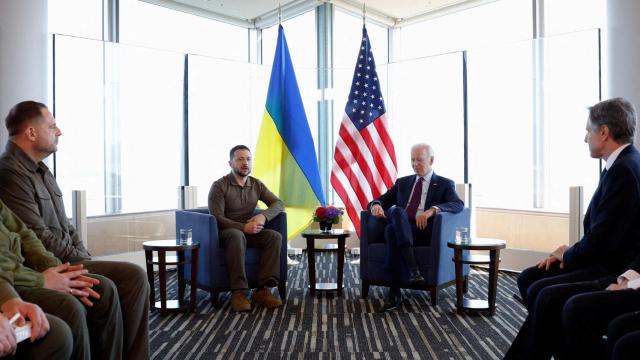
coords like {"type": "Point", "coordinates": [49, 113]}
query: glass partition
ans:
{"type": "Point", "coordinates": [226, 105]}
{"type": "Point", "coordinates": [426, 105]}
{"type": "Point", "coordinates": [120, 109]}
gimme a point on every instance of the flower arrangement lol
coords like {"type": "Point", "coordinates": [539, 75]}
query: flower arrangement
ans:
{"type": "Point", "coordinates": [328, 214]}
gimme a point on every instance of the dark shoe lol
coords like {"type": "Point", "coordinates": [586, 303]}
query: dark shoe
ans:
{"type": "Point", "coordinates": [392, 302]}
{"type": "Point", "coordinates": [416, 279]}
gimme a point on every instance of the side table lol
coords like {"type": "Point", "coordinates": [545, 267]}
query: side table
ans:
{"type": "Point", "coordinates": [311, 236]}
{"type": "Point", "coordinates": [493, 259]}
{"type": "Point", "coordinates": [162, 246]}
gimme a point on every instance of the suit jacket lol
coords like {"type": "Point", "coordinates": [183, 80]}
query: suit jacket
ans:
{"type": "Point", "coordinates": [612, 222]}
{"type": "Point", "coordinates": [441, 193]}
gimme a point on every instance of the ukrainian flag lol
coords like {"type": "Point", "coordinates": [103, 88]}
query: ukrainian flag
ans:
{"type": "Point", "coordinates": [285, 158]}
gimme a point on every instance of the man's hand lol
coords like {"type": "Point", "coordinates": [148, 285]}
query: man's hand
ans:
{"type": "Point", "coordinates": [252, 227]}
{"type": "Point", "coordinates": [259, 218]}
{"type": "Point", "coordinates": [29, 311]}
{"type": "Point", "coordinates": [377, 211]}
{"type": "Point", "coordinates": [620, 285]}
{"type": "Point", "coordinates": [8, 343]}
{"type": "Point", "coordinates": [555, 256]}
{"type": "Point", "coordinates": [70, 279]}
{"type": "Point", "coordinates": [423, 217]}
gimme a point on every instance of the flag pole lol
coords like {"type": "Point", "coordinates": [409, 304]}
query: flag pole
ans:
{"type": "Point", "coordinates": [279, 13]}
{"type": "Point", "coordinates": [364, 14]}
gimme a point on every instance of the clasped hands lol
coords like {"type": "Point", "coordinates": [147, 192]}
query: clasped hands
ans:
{"type": "Point", "coordinates": [71, 279]}
{"type": "Point", "coordinates": [255, 224]}
{"type": "Point", "coordinates": [421, 218]}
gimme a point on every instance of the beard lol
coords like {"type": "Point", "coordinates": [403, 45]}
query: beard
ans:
{"type": "Point", "coordinates": [241, 172]}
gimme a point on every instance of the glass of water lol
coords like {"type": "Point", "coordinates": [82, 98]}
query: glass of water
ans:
{"type": "Point", "coordinates": [186, 237]}
{"type": "Point", "coordinates": [462, 234]}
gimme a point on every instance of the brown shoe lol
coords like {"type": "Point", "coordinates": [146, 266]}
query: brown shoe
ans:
{"type": "Point", "coordinates": [239, 302]}
{"type": "Point", "coordinates": [264, 297]}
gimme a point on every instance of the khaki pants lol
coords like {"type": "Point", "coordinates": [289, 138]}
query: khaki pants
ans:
{"type": "Point", "coordinates": [133, 292]}
{"type": "Point", "coordinates": [96, 330]}
{"type": "Point", "coordinates": [235, 245]}
{"type": "Point", "coordinates": [56, 344]}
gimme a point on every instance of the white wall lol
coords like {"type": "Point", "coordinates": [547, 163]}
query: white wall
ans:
{"type": "Point", "coordinates": [23, 55]}
{"type": "Point", "coordinates": [622, 51]}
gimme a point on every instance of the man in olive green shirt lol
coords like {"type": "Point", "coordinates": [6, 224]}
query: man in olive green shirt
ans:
{"type": "Point", "coordinates": [233, 200]}
{"type": "Point", "coordinates": [30, 190]}
{"type": "Point", "coordinates": [66, 291]}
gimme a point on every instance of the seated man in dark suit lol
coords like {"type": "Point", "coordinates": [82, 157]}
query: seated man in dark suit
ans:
{"type": "Point", "coordinates": [611, 234]}
{"type": "Point", "coordinates": [587, 316]}
{"type": "Point", "coordinates": [407, 207]}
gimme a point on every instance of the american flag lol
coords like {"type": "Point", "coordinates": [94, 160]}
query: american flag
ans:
{"type": "Point", "coordinates": [364, 165]}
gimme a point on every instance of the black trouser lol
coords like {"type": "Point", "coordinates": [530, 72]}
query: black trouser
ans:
{"type": "Point", "coordinates": [532, 280]}
{"type": "Point", "coordinates": [587, 317]}
{"type": "Point", "coordinates": [541, 334]}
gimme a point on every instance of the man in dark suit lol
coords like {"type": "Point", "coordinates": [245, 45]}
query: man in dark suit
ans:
{"type": "Point", "coordinates": [611, 236]}
{"type": "Point", "coordinates": [408, 207]}
{"type": "Point", "coordinates": [614, 311]}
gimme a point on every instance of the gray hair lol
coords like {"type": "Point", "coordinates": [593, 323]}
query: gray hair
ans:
{"type": "Point", "coordinates": [425, 146]}
{"type": "Point", "coordinates": [618, 115]}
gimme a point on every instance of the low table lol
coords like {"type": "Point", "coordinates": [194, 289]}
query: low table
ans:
{"type": "Point", "coordinates": [311, 236]}
{"type": "Point", "coordinates": [493, 259]}
{"type": "Point", "coordinates": [162, 246]}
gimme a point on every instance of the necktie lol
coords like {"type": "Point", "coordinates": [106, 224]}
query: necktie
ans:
{"type": "Point", "coordinates": [412, 207]}
{"type": "Point", "coordinates": [603, 173]}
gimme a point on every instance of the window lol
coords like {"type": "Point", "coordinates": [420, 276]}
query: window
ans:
{"type": "Point", "coordinates": [81, 18]}
{"type": "Point", "coordinates": [120, 110]}
{"type": "Point", "coordinates": [503, 21]}
{"type": "Point", "coordinates": [226, 105]}
{"type": "Point", "coordinates": [149, 25]}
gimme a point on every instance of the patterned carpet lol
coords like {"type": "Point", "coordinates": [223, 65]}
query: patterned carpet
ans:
{"type": "Point", "coordinates": [327, 326]}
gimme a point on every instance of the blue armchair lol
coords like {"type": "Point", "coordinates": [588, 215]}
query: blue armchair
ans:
{"type": "Point", "coordinates": [435, 261]}
{"type": "Point", "coordinates": [212, 269]}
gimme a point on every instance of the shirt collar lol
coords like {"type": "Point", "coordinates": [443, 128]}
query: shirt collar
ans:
{"type": "Point", "coordinates": [22, 157]}
{"type": "Point", "coordinates": [427, 178]}
{"type": "Point", "coordinates": [232, 179]}
{"type": "Point", "coordinates": [614, 155]}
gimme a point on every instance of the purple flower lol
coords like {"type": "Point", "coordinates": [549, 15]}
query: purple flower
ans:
{"type": "Point", "coordinates": [332, 212]}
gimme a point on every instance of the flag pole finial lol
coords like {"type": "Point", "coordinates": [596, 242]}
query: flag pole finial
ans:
{"type": "Point", "coordinates": [364, 13]}
{"type": "Point", "coordinates": [279, 14]}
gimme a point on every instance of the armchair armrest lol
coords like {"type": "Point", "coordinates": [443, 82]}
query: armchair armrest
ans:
{"type": "Point", "coordinates": [444, 229]}
{"type": "Point", "coordinates": [205, 231]}
{"type": "Point", "coordinates": [371, 231]}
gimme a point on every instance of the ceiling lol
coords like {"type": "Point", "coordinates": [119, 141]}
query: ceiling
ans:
{"type": "Point", "coordinates": [264, 13]}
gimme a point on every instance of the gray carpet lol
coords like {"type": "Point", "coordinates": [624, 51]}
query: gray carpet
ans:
{"type": "Point", "coordinates": [328, 326]}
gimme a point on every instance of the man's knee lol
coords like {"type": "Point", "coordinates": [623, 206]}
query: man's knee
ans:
{"type": "Point", "coordinates": [59, 336]}
{"type": "Point", "coordinates": [273, 238]}
{"type": "Point", "coordinates": [233, 239]}
{"type": "Point", "coordinates": [397, 213]}
{"type": "Point", "coordinates": [136, 276]}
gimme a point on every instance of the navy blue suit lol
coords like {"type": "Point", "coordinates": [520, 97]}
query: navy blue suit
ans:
{"type": "Point", "coordinates": [400, 231]}
{"type": "Point", "coordinates": [611, 233]}
{"type": "Point", "coordinates": [609, 246]}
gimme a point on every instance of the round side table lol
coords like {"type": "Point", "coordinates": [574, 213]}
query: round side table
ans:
{"type": "Point", "coordinates": [311, 236]}
{"type": "Point", "coordinates": [493, 259]}
{"type": "Point", "coordinates": [162, 260]}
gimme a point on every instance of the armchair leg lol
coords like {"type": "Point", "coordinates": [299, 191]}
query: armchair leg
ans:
{"type": "Point", "coordinates": [365, 289]}
{"type": "Point", "coordinates": [215, 298]}
{"type": "Point", "coordinates": [465, 283]}
{"type": "Point", "coordinates": [434, 296]}
{"type": "Point", "coordinates": [282, 289]}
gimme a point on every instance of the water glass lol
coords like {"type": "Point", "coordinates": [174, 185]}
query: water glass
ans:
{"type": "Point", "coordinates": [462, 234]}
{"type": "Point", "coordinates": [186, 237]}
